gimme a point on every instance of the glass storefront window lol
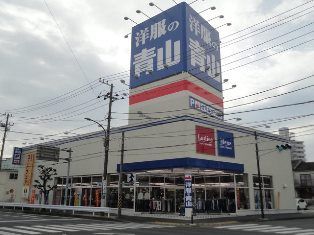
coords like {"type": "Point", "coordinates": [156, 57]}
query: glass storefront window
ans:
{"type": "Point", "coordinates": [255, 181]}
{"type": "Point", "coordinates": [86, 181]}
{"type": "Point", "coordinates": [142, 180]}
{"type": "Point", "coordinates": [128, 197]}
{"type": "Point", "coordinates": [227, 181]}
{"type": "Point", "coordinates": [59, 181]}
{"type": "Point", "coordinates": [157, 181]}
{"type": "Point", "coordinates": [268, 197]}
{"type": "Point", "coordinates": [267, 181]}
{"type": "Point", "coordinates": [85, 197]}
{"type": "Point", "coordinates": [76, 181]}
{"type": "Point", "coordinates": [113, 180]}
{"type": "Point", "coordinates": [198, 181]}
{"type": "Point", "coordinates": [170, 181]}
{"type": "Point", "coordinates": [212, 181]}
{"type": "Point", "coordinates": [113, 197]}
{"type": "Point", "coordinates": [267, 190]}
{"type": "Point", "coordinates": [242, 180]}
{"type": "Point", "coordinates": [142, 199]}
{"type": "Point", "coordinates": [96, 197]}
{"type": "Point", "coordinates": [179, 181]}
{"type": "Point", "coordinates": [96, 181]}
{"type": "Point", "coordinates": [243, 200]}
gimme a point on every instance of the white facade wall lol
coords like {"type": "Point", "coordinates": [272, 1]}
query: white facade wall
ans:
{"type": "Point", "coordinates": [88, 154]}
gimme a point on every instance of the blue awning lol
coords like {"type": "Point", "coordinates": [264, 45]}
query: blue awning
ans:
{"type": "Point", "coordinates": [182, 163]}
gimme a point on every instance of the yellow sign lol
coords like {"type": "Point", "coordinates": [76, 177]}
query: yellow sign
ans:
{"type": "Point", "coordinates": [29, 167]}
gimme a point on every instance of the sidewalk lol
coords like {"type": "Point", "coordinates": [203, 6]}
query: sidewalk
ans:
{"type": "Point", "coordinates": [214, 219]}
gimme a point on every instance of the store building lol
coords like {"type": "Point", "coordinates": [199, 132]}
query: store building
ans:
{"type": "Point", "coordinates": [179, 151]}
{"type": "Point", "coordinates": [8, 181]}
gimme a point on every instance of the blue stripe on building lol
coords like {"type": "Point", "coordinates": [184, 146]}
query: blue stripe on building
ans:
{"type": "Point", "coordinates": [182, 163]}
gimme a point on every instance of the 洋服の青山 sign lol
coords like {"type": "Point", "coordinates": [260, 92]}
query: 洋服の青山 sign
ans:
{"type": "Point", "coordinates": [225, 144]}
{"type": "Point", "coordinates": [188, 191]}
{"type": "Point", "coordinates": [17, 156]}
{"type": "Point", "coordinates": [175, 40]}
{"type": "Point", "coordinates": [205, 140]}
{"type": "Point", "coordinates": [205, 108]}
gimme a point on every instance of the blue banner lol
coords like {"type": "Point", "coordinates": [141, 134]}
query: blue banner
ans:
{"type": "Point", "coordinates": [17, 156]}
{"type": "Point", "coordinates": [157, 47]}
{"type": "Point", "coordinates": [203, 50]}
{"type": "Point", "coordinates": [174, 41]}
{"type": "Point", "coordinates": [225, 144]}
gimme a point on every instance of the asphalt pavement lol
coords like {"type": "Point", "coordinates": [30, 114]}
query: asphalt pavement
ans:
{"type": "Point", "coordinates": [19, 223]}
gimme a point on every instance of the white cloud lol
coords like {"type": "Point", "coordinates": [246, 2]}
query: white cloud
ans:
{"type": "Point", "coordinates": [37, 63]}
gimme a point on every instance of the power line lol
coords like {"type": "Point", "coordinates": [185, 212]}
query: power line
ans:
{"type": "Point", "coordinates": [67, 43]}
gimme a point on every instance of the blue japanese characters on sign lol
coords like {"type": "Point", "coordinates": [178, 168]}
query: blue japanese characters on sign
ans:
{"type": "Point", "coordinates": [225, 144]}
{"type": "Point", "coordinates": [205, 108]}
{"type": "Point", "coordinates": [17, 156]}
{"type": "Point", "coordinates": [174, 41]}
{"type": "Point", "coordinates": [188, 191]}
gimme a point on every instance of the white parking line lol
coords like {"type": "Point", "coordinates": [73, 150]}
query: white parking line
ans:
{"type": "Point", "coordinates": [30, 220]}
{"type": "Point", "coordinates": [6, 233]}
{"type": "Point", "coordinates": [237, 226]}
{"type": "Point", "coordinates": [38, 229]}
{"type": "Point", "coordinates": [304, 232]}
{"type": "Point", "coordinates": [290, 230]}
{"type": "Point", "coordinates": [256, 228]}
{"type": "Point", "coordinates": [81, 228]}
{"type": "Point", "coordinates": [57, 227]}
{"type": "Point", "coordinates": [18, 230]}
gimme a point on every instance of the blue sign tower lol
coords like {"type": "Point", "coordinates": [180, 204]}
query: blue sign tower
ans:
{"type": "Point", "coordinates": [175, 41]}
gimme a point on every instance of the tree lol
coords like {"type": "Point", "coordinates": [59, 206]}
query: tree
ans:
{"type": "Point", "coordinates": [45, 175]}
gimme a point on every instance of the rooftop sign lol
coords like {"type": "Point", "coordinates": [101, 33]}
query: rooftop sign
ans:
{"type": "Point", "coordinates": [174, 41]}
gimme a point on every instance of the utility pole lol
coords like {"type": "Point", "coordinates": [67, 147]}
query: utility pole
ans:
{"type": "Point", "coordinates": [6, 128]}
{"type": "Point", "coordinates": [69, 159]}
{"type": "Point", "coordinates": [259, 176]}
{"type": "Point", "coordinates": [120, 177]}
{"type": "Point", "coordinates": [106, 143]}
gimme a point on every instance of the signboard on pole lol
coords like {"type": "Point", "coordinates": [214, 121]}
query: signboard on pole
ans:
{"type": "Point", "coordinates": [47, 153]}
{"type": "Point", "coordinates": [17, 156]}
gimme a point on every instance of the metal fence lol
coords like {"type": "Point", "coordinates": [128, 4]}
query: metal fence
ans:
{"type": "Point", "coordinates": [51, 208]}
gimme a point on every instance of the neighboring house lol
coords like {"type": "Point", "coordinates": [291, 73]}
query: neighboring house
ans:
{"type": "Point", "coordinates": [8, 181]}
{"type": "Point", "coordinates": [304, 179]}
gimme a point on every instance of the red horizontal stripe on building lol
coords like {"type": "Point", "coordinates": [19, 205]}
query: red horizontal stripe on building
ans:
{"type": "Point", "coordinates": [172, 88]}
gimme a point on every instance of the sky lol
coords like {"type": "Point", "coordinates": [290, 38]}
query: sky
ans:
{"type": "Point", "coordinates": [53, 52]}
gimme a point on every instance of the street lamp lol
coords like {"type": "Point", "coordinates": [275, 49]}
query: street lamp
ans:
{"type": "Point", "coordinates": [127, 35]}
{"type": "Point", "coordinates": [105, 171]}
{"type": "Point", "coordinates": [233, 86]}
{"type": "Point", "coordinates": [220, 16]}
{"type": "Point", "coordinates": [153, 4]}
{"type": "Point", "coordinates": [140, 12]}
{"type": "Point", "coordinates": [128, 18]}
{"type": "Point", "coordinates": [227, 24]}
